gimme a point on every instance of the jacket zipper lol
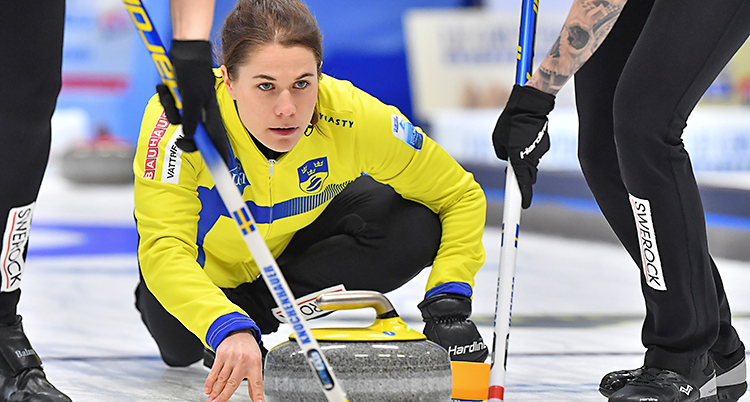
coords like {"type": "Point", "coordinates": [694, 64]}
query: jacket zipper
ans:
{"type": "Point", "coordinates": [271, 164]}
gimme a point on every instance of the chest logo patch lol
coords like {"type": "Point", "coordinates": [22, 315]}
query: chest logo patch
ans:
{"type": "Point", "coordinates": [312, 175]}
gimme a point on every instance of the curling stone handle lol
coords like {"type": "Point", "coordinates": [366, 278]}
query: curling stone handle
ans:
{"type": "Point", "coordinates": [355, 299]}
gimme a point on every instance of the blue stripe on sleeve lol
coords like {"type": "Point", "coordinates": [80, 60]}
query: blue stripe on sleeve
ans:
{"type": "Point", "coordinates": [461, 288]}
{"type": "Point", "coordinates": [226, 324]}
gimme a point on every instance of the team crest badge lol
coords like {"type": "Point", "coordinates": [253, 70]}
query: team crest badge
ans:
{"type": "Point", "coordinates": [312, 175]}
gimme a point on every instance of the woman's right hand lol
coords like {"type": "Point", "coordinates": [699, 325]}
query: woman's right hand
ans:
{"type": "Point", "coordinates": [237, 357]}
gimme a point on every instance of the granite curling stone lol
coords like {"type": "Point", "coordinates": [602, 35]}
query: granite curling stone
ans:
{"type": "Point", "coordinates": [105, 159]}
{"type": "Point", "coordinates": [387, 361]}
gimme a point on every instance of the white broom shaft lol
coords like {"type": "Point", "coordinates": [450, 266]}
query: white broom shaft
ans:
{"type": "Point", "coordinates": [505, 285]}
{"type": "Point", "coordinates": [511, 220]}
{"type": "Point", "coordinates": [269, 269]}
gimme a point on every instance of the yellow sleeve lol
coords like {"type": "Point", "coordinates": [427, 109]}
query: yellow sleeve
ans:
{"type": "Point", "coordinates": [167, 211]}
{"type": "Point", "coordinates": [395, 152]}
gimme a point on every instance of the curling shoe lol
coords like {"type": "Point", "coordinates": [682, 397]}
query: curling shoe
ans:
{"type": "Point", "coordinates": [615, 380]}
{"type": "Point", "coordinates": [658, 385]}
{"type": "Point", "coordinates": [731, 381]}
{"type": "Point", "coordinates": [21, 375]}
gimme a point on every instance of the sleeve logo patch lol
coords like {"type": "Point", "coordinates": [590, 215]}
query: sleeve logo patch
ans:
{"type": "Point", "coordinates": [172, 159]}
{"type": "Point", "coordinates": [406, 132]}
{"type": "Point", "coordinates": [152, 152]}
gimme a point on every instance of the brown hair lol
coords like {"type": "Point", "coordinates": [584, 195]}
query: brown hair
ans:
{"type": "Point", "coordinates": [255, 23]}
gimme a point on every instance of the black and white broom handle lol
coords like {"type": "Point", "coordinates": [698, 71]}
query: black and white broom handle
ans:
{"type": "Point", "coordinates": [511, 221]}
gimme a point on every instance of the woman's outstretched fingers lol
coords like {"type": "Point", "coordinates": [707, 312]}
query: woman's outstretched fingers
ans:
{"type": "Point", "coordinates": [255, 385]}
{"type": "Point", "coordinates": [213, 376]}
{"type": "Point", "coordinates": [233, 382]}
{"type": "Point", "coordinates": [237, 357]}
{"type": "Point", "coordinates": [222, 381]}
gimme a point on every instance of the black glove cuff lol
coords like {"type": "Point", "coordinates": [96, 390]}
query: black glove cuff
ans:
{"type": "Point", "coordinates": [191, 50]}
{"type": "Point", "coordinates": [446, 306]}
{"type": "Point", "coordinates": [244, 296]}
{"type": "Point", "coordinates": [531, 100]}
{"type": "Point", "coordinates": [170, 105]}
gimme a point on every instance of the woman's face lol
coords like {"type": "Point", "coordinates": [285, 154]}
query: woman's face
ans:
{"type": "Point", "coordinates": [276, 91]}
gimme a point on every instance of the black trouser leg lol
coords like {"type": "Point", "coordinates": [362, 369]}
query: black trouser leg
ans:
{"type": "Point", "coordinates": [728, 341]}
{"type": "Point", "coordinates": [682, 48]}
{"type": "Point", "coordinates": [30, 64]}
{"type": "Point", "coordinates": [595, 85]}
{"type": "Point", "coordinates": [368, 238]}
{"type": "Point", "coordinates": [177, 345]}
{"type": "Point", "coordinates": [8, 303]}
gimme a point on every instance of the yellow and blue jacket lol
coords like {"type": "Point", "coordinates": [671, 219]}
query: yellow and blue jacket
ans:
{"type": "Point", "coordinates": [189, 247]}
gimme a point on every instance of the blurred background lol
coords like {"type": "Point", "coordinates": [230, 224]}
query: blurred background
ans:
{"type": "Point", "coordinates": [447, 64]}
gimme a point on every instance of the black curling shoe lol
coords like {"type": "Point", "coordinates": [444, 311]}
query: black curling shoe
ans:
{"type": "Point", "coordinates": [731, 381]}
{"type": "Point", "coordinates": [21, 375]}
{"type": "Point", "coordinates": [658, 385]}
{"type": "Point", "coordinates": [615, 380]}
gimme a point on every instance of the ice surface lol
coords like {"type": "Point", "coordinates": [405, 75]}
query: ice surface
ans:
{"type": "Point", "coordinates": [577, 309]}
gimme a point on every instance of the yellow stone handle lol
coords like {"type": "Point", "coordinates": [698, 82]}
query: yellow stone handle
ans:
{"type": "Point", "coordinates": [356, 299]}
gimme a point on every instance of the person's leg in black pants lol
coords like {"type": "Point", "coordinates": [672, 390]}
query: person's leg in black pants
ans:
{"type": "Point", "coordinates": [595, 85]}
{"type": "Point", "coordinates": [368, 238]}
{"type": "Point", "coordinates": [632, 112]}
{"type": "Point", "coordinates": [30, 79]}
{"type": "Point", "coordinates": [177, 345]}
{"type": "Point", "coordinates": [31, 38]}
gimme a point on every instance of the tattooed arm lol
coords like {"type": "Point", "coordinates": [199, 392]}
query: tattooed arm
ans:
{"type": "Point", "coordinates": [588, 23]}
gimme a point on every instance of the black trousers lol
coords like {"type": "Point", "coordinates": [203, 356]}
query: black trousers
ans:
{"type": "Point", "coordinates": [368, 238]}
{"type": "Point", "coordinates": [31, 36]}
{"type": "Point", "coordinates": [634, 97]}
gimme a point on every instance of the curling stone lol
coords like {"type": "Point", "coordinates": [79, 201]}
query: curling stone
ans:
{"type": "Point", "coordinates": [105, 159]}
{"type": "Point", "coordinates": [387, 361]}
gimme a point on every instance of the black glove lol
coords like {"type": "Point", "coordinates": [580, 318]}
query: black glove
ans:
{"type": "Point", "coordinates": [521, 134]}
{"type": "Point", "coordinates": [447, 323]}
{"type": "Point", "coordinates": [255, 299]}
{"type": "Point", "coordinates": [193, 66]}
